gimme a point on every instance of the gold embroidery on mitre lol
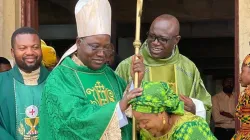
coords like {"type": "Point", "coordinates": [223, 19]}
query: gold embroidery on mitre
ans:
{"type": "Point", "coordinates": [101, 94]}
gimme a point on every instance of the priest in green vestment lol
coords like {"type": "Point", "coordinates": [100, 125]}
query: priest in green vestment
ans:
{"type": "Point", "coordinates": [83, 98]}
{"type": "Point", "coordinates": [21, 88]}
{"type": "Point", "coordinates": [164, 63]}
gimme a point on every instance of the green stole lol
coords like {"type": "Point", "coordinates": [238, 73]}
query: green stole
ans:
{"type": "Point", "coordinates": [10, 82]}
{"type": "Point", "coordinates": [27, 106]}
{"type": "Point", "coordinates": [161, 69]}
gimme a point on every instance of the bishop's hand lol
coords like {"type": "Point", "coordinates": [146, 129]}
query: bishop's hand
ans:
{"type": "Point", "coordinates": [129, 95]}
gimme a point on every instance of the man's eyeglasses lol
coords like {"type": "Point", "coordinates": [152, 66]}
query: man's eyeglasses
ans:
{"type": "Point", "coordinates": [107, 49]}
{"type": "Point", "coordinates": [162, 40]}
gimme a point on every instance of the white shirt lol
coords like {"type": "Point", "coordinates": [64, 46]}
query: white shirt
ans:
{"type": "Point", "coordinates": [222, 102]}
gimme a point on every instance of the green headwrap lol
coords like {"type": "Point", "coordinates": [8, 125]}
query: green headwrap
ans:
{"type": "Point", "coordinates": [156, 98]}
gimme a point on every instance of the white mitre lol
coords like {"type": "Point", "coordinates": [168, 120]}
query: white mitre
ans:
{"type": "Point", "coordinates": [93, 17]}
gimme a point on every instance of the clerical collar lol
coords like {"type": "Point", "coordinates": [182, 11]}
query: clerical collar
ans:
{"type": "Point", "coordinates": [30, 78]}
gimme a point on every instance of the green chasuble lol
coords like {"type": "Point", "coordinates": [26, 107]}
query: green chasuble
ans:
{"type": "Point", "coordinates": [187, 127]}
{"type": "Point", "coordinates": [78, 103]}
{"type": "Point", "coordinates": [19, 105]}
{"type": "Point", "coordinates": [178, 71]}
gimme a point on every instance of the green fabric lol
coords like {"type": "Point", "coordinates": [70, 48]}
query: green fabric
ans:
{"type": "Point", "coordinates": [165, 73]}
{"type": "Point", "coordinates": [78, 103]}
{"type": "Point", "coordinates": [27, 117]}
{"type": "Point", "coordinates": [7, 101]}
{"type": "Point", "coordinates": [187, 127]}
{"type": "Point", "coordinates": [157, 97]}
{"type": "Point", "coordinates": [178, 71]}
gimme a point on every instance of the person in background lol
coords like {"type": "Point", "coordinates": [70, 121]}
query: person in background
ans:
{"type": "Point", "coordinates": [4, 64]}
{"type": "Point", "coordinates": [223, 110]}
{"type": "Point", "coordinates": [49, 56]}
{"type": "Point", "coordinates": [113, 60]}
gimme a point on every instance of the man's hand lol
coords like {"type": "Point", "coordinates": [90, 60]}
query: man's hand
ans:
{"type": "Point", "coordinates": [129, 95]}
{"type": "Point", "coordinates": [188, 104]}
{"type": "Point", "coordinates": [137, 66]}
{"type": "Point", "coordinates": [226, 114]}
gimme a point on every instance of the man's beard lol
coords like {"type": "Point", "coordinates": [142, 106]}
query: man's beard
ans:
{"type": "Point", "coordinates": [28, 68]}
{"type": "Point", "coordinates": [228, 89]}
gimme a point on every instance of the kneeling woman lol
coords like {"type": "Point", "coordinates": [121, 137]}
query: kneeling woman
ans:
{"type": "Point", "coordinates": [160, 116]}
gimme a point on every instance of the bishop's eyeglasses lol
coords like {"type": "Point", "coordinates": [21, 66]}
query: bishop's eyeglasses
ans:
{"type": "Point", "coordinates": [106, 49]}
